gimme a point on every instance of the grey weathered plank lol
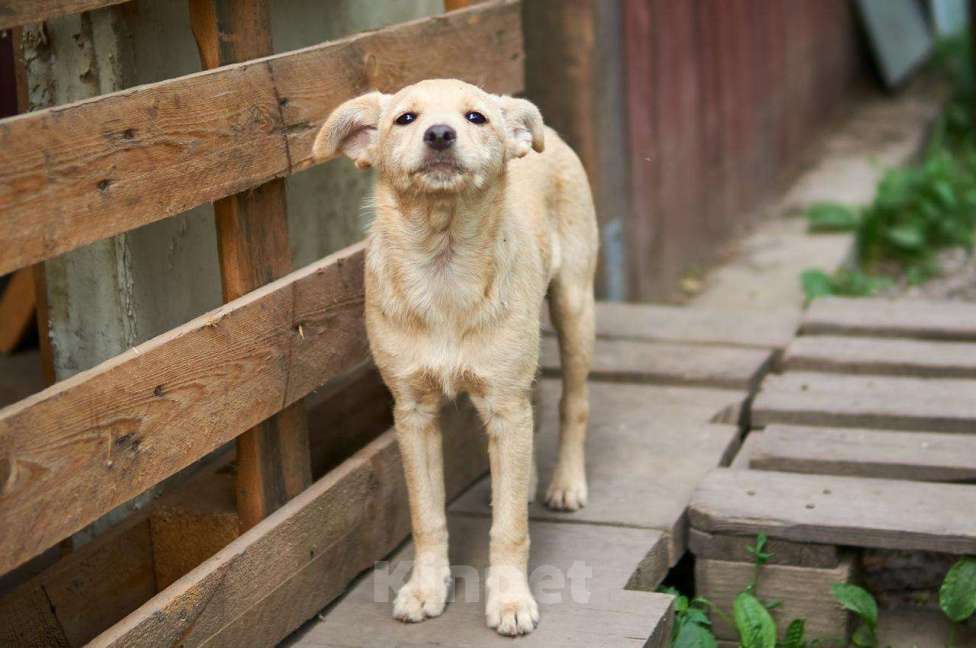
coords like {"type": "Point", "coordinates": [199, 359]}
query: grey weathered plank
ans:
{"type": "Point", "coordinates": [939, 412]}
{"type": "Point", "coordinates": [881, 356]}
{"type": "Point", "coordinates": [669, 363]}
{"type": "Point", "coordinates": [648, 447]}
{"type": "Point", "coordinates": [741, 459]}
{"type": "Point", "coordinates": [769, 330]}
{"type": "Point", "coordinates": [894, 387]}
{"type": "Point", "coordinates": [907, 627]}
{"type": "Point", "coordinates": [855, 511]}
{"type": "Point", "coordinates": [605, 615]}
{"type": "Point", "coordinates": [922, 456]}
{"type": "Point", "coordinates": [281, 572]}
{"type": "Point", "coordinates": [909, 318]}
{"type": "Point", "coordinates": [804, 593]}
{"type": "Point", "coordinates": [781, 552]}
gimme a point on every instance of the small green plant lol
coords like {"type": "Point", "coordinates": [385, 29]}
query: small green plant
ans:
{"type": "Point", "coordinates": [859, 601]}
{"type": "Point", "coordinates": [754, 623]}
{"type": "Point", "coordinates": [848, 283]}
{"type": "Point", "coordinates": [957, 596]}
{"type": "Point", "coordinates": [692, 627]}
{"type": "Point", "coordinates": [756, 627]}
{"type": "Point", "coordinates": [759, 558]}
{"type": "Point", "coordinates": [918, 210]}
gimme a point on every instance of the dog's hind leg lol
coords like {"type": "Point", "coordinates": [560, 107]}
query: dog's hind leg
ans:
{"type": "Point", "coordinates": [419, 436]}
{"type": "Point", "coordinates": [571, 310]}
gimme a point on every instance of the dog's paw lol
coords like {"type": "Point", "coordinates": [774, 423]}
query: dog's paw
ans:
{"type": "Point", "coordinates": [512, 613]}
{"type": "Point", "coordinates": [567, 494]}
{"type": "Point", "coordinates": [424, 596]}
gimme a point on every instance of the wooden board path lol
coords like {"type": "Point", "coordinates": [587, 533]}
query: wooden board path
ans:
{"type": "Point", "coordinates": [647, 448]}
{"type": "Point", "coordinates": [663, 323]}
{"type": "Point", "coordinates": [867, 401]}
{"type": "Point", "coordinates": [906, 318]}
{"type": "Point", "coordinates": [921, 456]}
{"type": "Point", "coordinates": [862, 355]}
{"type": "Point", "coordinates": [668, 363]}
{"type": "Point", "coordinates": [854, 511]}
{"type": "Point", "coordinates": [605, 615]}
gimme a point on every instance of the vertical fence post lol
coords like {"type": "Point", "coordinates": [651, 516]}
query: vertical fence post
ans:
{"type": "Point", "coordinates": [252, 236]}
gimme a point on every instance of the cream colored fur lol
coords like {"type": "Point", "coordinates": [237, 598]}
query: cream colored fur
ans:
{"type": "Point", "coordinates": [464, 248]}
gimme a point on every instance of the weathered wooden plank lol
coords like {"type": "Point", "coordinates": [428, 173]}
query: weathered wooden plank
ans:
{"type": "Point", "coordinates": [896, 387]}
{"type": "Point", "coordinates": [84, 592]}
{"type": "Point", "coordinates": [273, 462]}
{"type": "Point", "coordinates": [669, 363]}
{"type": "Point", "coordinates": [804, 592]}
{"type": "Point", "coordinates": [908, 318]}
{"type": "Point", "coordinates": [690, 325]}
{"type": "Point", "coordinates": [741, 459]}
{"type": "Point", "coordinates": [27, 620]}
{"type": "Point", "coordinates": [938, 412]}
{"type": "Point", "coordinates": [638, 442]}
{"type": "Point", "coordinates": [90, 443]}
{"type": "Point", "coordinates": [922, 456]}
{"type": "Point", "coordinates": [14, 13]}
{"type": "Point", "coordinates": [293, 563]}
{"type": "Point", "coordinates": [73, 174]}
{"type": "Point", "coordinates": [17, 305]}
{"type": "Point", "coordinates": [854, 511]}
{"type": "Point", "coordinates": [881, 357]}
{"type": "Point", "coordinates": [907, 627]}
{"type": "Point", "coordinates": [781, 552]}
{"type": "Point", "coordinates": [606, 615]}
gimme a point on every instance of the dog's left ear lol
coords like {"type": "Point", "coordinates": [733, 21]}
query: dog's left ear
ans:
{"type": "Point", "coordinates": [523, 121]}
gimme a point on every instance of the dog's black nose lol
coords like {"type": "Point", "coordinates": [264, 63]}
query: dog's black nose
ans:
{"type": "Point", "coordinates": [440, 137]}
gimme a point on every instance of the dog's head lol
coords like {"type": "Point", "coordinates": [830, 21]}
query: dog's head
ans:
{"type": "Point", "coordinates": [439, 135]}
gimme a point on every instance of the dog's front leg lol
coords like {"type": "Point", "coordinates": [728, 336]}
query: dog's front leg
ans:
{"type": "Point", "coordinates": [419, 437]}
{"type": "Point", "coordinates": [510, 607]}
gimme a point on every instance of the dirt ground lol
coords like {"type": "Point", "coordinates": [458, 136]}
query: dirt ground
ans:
{"type": "Point", "coordinates": [957, 280]}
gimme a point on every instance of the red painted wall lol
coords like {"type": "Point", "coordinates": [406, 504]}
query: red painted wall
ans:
{"type": "Point", "coordinates": [722, 96]}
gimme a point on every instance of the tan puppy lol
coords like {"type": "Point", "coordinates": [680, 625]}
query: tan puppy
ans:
{"type": "Point", "coordinates": [474, 223]}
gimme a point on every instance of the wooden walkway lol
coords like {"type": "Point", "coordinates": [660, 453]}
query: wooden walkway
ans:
{"type": "Point", "coordinates": [865, 441]}
{"type": "Point", "coordinates": [666, 400]}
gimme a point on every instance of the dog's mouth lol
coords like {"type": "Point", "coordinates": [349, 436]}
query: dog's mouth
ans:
{"type": "Point", "coordinates": [440, 165]}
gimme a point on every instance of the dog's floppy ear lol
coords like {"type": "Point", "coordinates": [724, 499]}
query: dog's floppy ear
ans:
{"type": "Point", "coordinates": [524, 125]}
{"type": "Point", "coordinates": [351, 129]}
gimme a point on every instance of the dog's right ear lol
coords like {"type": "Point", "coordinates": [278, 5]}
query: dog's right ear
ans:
{"type": "Point", "coordinates": [352, 129]}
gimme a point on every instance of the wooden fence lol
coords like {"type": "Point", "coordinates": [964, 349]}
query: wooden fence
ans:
{"type": "Point", "coordinates": [77, 173]}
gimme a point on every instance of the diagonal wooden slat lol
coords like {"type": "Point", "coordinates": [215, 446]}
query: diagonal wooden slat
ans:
{"type": "Point", "coordinates": [74, 174]}
{"type": "Point", "coordinates": [85, 445]}
{"type": "Point", "coordinates": [14, 13]}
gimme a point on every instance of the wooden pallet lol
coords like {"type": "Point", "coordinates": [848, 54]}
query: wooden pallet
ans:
{"type": "Point", "coordinates": [867, 440]}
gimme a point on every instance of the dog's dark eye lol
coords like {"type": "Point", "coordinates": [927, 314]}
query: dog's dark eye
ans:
{"type": "Point", "coordinates": [476, 118]}
{"type": "Point", "coordinates": [405, 118]}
